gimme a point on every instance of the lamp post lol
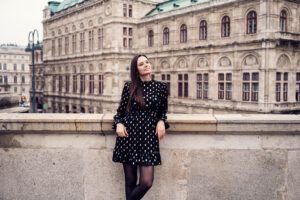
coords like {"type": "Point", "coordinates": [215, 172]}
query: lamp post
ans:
{"type": "Point", "coordinates": [31, 48]}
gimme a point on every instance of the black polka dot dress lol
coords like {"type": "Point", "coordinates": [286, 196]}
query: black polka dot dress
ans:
{"type": "Point", "coordinates": [141, 147]}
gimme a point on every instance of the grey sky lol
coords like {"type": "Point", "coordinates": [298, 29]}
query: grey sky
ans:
{"type": "Point", "coordinates": [18, 18]}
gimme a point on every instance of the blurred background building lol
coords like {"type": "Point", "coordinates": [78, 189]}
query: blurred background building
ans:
{"type": "Point", "coordinates": [217, 56]}
{"type": "Point", "coordinates": [14, 75]}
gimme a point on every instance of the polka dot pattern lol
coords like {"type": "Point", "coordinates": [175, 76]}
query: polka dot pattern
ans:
{"type": "Point", "coordinates": [141, 147]}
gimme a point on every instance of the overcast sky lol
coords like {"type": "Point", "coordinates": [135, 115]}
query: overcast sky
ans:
{"type": "Point", "coordinates": [18, 18]}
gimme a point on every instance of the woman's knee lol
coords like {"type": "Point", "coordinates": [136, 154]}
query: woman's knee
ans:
{"type": "Point", "coordinates": [146, 183]}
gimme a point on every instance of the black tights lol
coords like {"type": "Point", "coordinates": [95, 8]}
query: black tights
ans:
{"type": "Point", "coordinates": [133, 191]}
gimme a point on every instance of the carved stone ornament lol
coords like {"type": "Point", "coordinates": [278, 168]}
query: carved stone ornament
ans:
{"type": "Point", "coordinates": [91, 68]}
{"type": "Point", "coordinates": [90, 23]}
{"type": "Point", "coordinates": [165, 65]}
{"type": "Point", "coordinates": [283, 61]}
{"type": "Point", "coordinates": [73, 28]}
{"type": "Point", "coordinates": [224, 62]}
{"type": "Point", "coordinates": [59, 32]}
{"type": "Point", "coordinates": [108, 10]}
{"type": "Point", "coordinates": [202, 62]}
{"type": "Point", "coordinates": [182, 63]}
{"type": "Point", "coordinates": [81, 25]}
{"type": "Point", "coordinates": [251, 60]}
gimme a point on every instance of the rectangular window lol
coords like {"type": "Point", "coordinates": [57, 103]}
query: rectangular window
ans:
{"type": "Point", "coordinates": [183, 85]}
{"type": "Point", "coordinates": [285, 91]}
{"type": "Point", "coordinates": [180, 82]}
{"type": "Point", "coordinates": [246, 91]}
{"type": "Point", "coordinates": [250, 85]}
{"type": "Point", "coordinates": [0, 66]}
{"type": "Point", "coordinates": [254, 93]}
{"type": "Point", "coordinates": [91, 40]}
{"type": "Point", "coordinates": [74, 83]}
{"type": "Point", "coordinates": [130, 11]}
{"type": "Point", "coordinates": [53, 48]}
{"type": "Point", "coordinates": [4, 66]}
{"type": "Point", "coordinates": [297, 86]}
{"type": "Point", "coordinates": [91, 84]}
{"type": "Point", "coordinates": [278, 76]}
{"type": "Point", "coordinates": [205, 90]}
{"type": "Point", "coordinates": [124, 31]}
{"type": "Point", "coordinates": [282, 84]}
{"type": "Point", "coordinates": [285, 86]}
{"type": "Point", "coordinates": [130, 42]}
{"type": "Point", "coordinates": [1, 79]}
{"type": "Point", "coordinates": [74, 38]}
{"type": "Point", "coordinates": [15, 67]}
{"type": "Point", "coordinates": [124, 42]}
{"type": "Point", "coordinates": [82, 84]}
{"type": "Point", "coordinates": [15, 79]}
{"type": "Point", "coordinates": [100, 84]}
{"type": "Point", "coordinates": [66, 45]}
{"type": "Point", "coordinates": [199, 86]}
{"type": "Point", "coordinates": [53, 83]}
{"type": "Point", "coordinates": [277, 92]}
{"type": "Point", "coordinates": [67, 83]}
{"type": "Point", "coordinates": [23, 67]}
{"type": "Point", "coordinates": [5, 79]}
{"type": "Point", "coordinates": [100, 38]}
{"type": "Point", "coordinates": [167, 78]}
{"type": "Point", "coordinates": [228, 86]}
{"type": "Point", "coordinates": [130, 31]}
{"type": "Point", "coordinates": [59, 46]}
{"type": "Point", "coordinates": [221, 86]}
{"type": "Point", "coordinates": [60, 83]}
{"type": "Point", "coordinates": [82, 38]}
{"type": "Point", "coordinates": [124, 10]}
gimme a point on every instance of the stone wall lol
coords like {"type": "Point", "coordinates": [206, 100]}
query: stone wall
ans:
{"type": "Point", "coordinates": [209, 157]}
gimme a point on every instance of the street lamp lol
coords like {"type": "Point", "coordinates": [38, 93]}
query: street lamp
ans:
{"type": "Point", "coordinates": [31, 48]}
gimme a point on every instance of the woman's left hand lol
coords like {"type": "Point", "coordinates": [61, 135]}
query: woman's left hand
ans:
{"type": "Point", "coordinates": [160, 129]}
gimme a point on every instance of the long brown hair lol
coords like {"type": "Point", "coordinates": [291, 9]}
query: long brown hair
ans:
{"type": "Point", "coordinates": [136, 89]}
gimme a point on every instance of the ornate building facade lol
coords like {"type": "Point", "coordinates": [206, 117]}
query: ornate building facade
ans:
{"type": "Point", "coordinates": [215, 55]}
{"type": "Point", "coordinates": [14, 71]}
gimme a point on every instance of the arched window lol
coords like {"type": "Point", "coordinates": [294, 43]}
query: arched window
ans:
{"type": "Point", "coordinates": [203, 30]}
{"type": "Point", "coordinates": [150, 38]}
{"type": "Point", "coordinates": [283, 21]}
{"type": "Point", "coordinates": [183, 33]}
{"type": "Point", "coordinates": [225, 26]}
{"type": "Point", "coordinates": [166, 36]}
{"type": "Point", "coordinates": [251, 22]}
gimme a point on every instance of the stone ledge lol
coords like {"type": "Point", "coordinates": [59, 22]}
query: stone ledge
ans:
{"type": "Point", "coordinates": [179, 123]}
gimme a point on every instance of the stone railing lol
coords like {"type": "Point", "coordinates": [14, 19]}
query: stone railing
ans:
{"type": "Point", "coordinates": [209, 157]}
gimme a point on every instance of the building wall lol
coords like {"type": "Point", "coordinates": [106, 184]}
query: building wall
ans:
{"type": "Point", "coordinates": [11, 56]}
{"type": "Point", "coordinates": [266, 52]}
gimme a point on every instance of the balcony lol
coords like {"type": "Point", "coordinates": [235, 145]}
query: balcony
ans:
{"type": "Point", "coordinates": [211, 157]}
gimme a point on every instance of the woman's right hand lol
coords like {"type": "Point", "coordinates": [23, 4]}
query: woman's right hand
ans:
{"type": "Point", "coordinates": [121, 130]}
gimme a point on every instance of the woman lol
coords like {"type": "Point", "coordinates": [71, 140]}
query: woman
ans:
{"type": "Point", "coordinates": [140, 123]}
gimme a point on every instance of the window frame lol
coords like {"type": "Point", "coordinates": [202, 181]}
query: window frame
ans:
{"type": "Point", "coordinates": [225, 26]}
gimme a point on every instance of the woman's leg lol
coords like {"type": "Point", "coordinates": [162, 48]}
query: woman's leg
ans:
{"type": "Point", "coordinates": [145, 182]}
{"type": "Point", "coordinates": [130, 172]}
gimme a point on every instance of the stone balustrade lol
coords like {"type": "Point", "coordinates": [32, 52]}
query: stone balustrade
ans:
{"type": "Point", "coordinates": [209, 157]}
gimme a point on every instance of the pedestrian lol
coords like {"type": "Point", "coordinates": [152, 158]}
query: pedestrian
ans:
{"type": "Point", "coordinates": [140, 124]}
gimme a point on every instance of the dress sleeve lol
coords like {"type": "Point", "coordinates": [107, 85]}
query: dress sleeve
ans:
{"type": "Point", "coordinates": [163, 109]}
{"type": "Point", "coordinates": [121, 111]}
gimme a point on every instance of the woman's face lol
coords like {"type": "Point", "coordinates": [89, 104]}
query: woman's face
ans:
{"type": "Point", "coordinates": [144, 66]}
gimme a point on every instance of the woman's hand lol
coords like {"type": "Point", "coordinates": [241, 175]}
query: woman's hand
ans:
{"type": "Point", "coordinates": [160, 129]}
{"type": "Point", "coordinates": [121, 130]}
